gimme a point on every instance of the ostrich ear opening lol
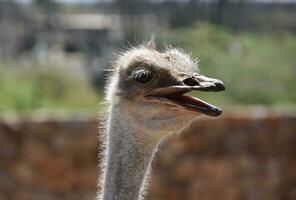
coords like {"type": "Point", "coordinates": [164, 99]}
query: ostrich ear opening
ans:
{"type": "Point", "coordinates": [151, 43]}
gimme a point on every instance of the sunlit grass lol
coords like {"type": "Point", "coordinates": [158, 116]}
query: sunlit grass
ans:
{"type": "Point", "coordinates": [23, 90]}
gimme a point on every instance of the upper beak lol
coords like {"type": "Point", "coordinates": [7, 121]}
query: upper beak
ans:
{"type": "Point", "coordinates": [202, 83]}
{"type": "Point", "coordinates": [198, 82]}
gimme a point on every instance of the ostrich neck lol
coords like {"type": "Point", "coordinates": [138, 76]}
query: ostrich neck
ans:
{"type": "Point", "coordinates": [128, 159]}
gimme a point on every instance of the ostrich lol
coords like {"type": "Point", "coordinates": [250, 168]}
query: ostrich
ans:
{"type": "Point", "coordinates": [147, 104]}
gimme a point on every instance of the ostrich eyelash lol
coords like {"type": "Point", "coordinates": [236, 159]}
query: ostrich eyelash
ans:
{"type": "Point", "coordinates": [142, 75]}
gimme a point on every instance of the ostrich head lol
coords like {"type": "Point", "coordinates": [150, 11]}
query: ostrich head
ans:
{"type": "Point", "coordinates": [149, 88]}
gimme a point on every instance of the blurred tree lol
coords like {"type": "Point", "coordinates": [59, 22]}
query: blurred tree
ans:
{"type": "Point", "coordinates": [49, 8]}
{"type": "Point", "coordinates": [47, 5]}
{"type": "Point", "coordinates": [218, 14]}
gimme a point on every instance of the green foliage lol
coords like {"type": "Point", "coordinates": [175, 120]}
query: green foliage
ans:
{"type": "Point", "coordinates": [256, 68]}
{"type": "Point", "coordinates": [24, 90]}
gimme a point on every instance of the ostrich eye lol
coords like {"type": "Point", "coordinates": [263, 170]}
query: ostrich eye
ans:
{"type": "Point", "coordinates": [142, 75]}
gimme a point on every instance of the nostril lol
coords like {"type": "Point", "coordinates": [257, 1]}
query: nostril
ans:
{"type": "Point", "coordinates": [190, 82]}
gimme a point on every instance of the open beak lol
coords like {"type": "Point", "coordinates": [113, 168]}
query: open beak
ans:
{"type": "Point", "coordinates": [176, 94]}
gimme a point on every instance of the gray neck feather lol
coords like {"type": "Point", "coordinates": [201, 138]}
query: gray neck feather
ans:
{"type": "Point", "coordinates": [127, 160]}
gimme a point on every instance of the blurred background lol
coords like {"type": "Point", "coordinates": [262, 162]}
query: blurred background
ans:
{"type": "Point", "coordinates": [53, 55]}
